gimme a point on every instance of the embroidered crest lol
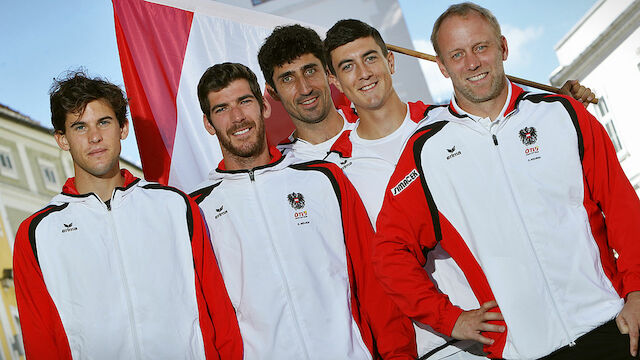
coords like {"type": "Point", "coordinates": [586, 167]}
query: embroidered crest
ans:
{"type": "Point", "coordinates": [296, 200]}
{"type": "Point", "coordinates": [528, 135]}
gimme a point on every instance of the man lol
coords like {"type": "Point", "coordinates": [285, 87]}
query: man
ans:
{"type": "Point", "coordinates": [293, 63]}
{"type": "Point", "coordinates": [116, 267]}
{"type": "Point", "coordinates": [292, 241]}
{"type": "Point", "coordinates": [516, 188]}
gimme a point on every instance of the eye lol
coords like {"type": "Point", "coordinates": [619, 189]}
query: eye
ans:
{"type": "Point", "coordinates": [104, 122]}
{"type": "Point", "coordinates": [456, 55]}
{"type": "Point", "coordinates": [370, 58]}
{"type": "Point", "coordinates": [219, 109]}
{"type": "Point", "coordinates": [287, 79]}
{"type": "Point", "coordinates": [79, 127]}
{"type": "Point", "coordinates": [310, 71]}
{"type": "Point", "coordinates": [347, 67]}
{"type": "Point", "coordinates": [481, 48]}
{"type": "Point", "coordinates": [246, 101]}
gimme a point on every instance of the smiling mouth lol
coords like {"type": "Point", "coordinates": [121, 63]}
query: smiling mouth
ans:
{"type": "Point", "coordinates": [309, 101]}
{"type": "Point", "coordinates": [369, 87]}
{"type": "Point", "coordinates": [478, 77]}
{"type": "Point", "coordinates": [241, 132]}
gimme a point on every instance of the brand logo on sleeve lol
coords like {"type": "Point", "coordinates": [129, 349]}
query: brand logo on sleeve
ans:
{"type": "Point", "coordinates": [69, 227]}
{"type": "Point", "coordinates": [404, 183]}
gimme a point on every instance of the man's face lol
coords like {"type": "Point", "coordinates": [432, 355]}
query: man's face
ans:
{"type": "Point", "coordinates": [303, 88]}
{"type": "Point", "coordinates": [237, 120]}
{"type": "Point", "coordinates": [471, 54]}
{"type": "Point", "coordinates": [93, 139]}
{"type": "Point", "coordinates": [363, 74]}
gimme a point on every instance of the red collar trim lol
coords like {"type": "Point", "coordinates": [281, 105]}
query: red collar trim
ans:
{"type": "Point", "coordinates": [343, 145]}
{"type": "Point", "coordinates": [273, 151]}
{"type": "Point", "coordinates": [70, 185]}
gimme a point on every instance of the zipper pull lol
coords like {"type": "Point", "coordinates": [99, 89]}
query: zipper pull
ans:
{"type": "Point", "coordinates": [495, 139]}
{"type": "Point", "coordinates": [251, 175]}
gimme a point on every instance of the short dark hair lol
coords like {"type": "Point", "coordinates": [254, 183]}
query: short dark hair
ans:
{"type": "Point", "coordinates": [71, 94]}
{"type": "Point", "coordinates": [219, 76]}
{"type": "Point", "coordinates": [348, 30]}
{"type": "Point", "coordinates": [285, 44]}
{"type": "Point", "coordinates": [463, 9]}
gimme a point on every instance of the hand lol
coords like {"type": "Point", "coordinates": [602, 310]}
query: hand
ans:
{"type": "Point", "coordinates": [628, 320]}
{"type": "Point", "coordinates": [471, 323]}
{"type": "Point", "coordinates": [575, 90]}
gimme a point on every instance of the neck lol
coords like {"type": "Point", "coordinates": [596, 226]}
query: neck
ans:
{"type": "Point", "coordinates": [490, 108]}
{"type": "Point", "coordinates": [234, 162]}
{"type": "Point", "coordinates": [378, 123]}
{"type": "Point", "coordinates": [321, 131]}
{"type": "Point", "coordinates": [102, 186]}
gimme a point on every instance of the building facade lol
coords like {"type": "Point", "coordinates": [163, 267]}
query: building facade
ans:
{"type": "Point", "coordinates": [32, 170]}
{"type": "Point", "coordinates": [603, 51]}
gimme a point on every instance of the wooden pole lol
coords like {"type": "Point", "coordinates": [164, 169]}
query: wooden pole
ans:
{"type": "Point", "coordinates": [515, 79]}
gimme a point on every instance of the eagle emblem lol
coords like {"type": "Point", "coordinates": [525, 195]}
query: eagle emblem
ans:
{"type": "Point", "coordinates": [528, 135]}
{"type": "Point", "coordinates": [296, 200]}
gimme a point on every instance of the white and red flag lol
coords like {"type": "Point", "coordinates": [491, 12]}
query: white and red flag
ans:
{"type": "Point", "coordinates": [164, 47]}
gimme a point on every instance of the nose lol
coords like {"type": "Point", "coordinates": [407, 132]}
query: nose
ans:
{"type": "Point", "coordinates": [237, 115]}
{"type": "Point", "coordinates": [472, 61]}
{"type": "Point", "coordinates": [363, 71]}
{"type": "Point", "coordinates": [304, 88]}
{"type": "Point", "coordinates": [95, 136]}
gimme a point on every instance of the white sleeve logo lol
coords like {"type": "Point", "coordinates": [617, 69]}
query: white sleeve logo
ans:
{"type": "Point", "coordinates": [404, 183]}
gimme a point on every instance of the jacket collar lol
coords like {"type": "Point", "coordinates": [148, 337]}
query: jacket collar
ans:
{"type": "Point", "coordinates": [513, 100]}
{"type": "Point", "coordinates": [69, 187]}
{"type": "Point", "coordinates": [277, 162]}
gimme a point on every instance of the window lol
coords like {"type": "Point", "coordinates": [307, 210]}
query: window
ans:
{"type": "Point", "coordinates": [7, 165]}
{"type": "Point", "coordinates": [604, 115]}
{"type": "Point", "coordinates": [49, 175]}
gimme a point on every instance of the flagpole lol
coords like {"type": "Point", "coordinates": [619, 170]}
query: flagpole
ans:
{"type": "Point", "coordinates": [514, 79]}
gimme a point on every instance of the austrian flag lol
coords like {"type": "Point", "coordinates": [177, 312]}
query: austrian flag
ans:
{"type": "Point", "coordinates": [164, 47]}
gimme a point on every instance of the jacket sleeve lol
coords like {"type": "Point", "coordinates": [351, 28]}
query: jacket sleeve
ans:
{"type": "Point", "coordinates": [42, 331]}
{"type": "Point", "coordinates": [217, 315]}
{"type": "Point", "coordinates": [406, 226]}
{"type": "Point", "coordinates": [393, 333]}
{"type": "Point", "coordinates": [611, 195]}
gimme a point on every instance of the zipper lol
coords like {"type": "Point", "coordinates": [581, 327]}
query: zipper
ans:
{"type": "Point", "coordinates": [523, 223]}
{"type": "Point", "coordinates": [123, 277]}
{"type": "Point", "coordinates": [251, 176]}
{"type": "Point", "coordinates": [278, 262]}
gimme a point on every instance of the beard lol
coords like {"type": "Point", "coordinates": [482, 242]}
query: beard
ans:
{"type": "Point", "coordinates": [246, 148]}
{"type": "Point", "coordinates": [496, 87]}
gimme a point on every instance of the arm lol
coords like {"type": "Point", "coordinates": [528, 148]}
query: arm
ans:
{"type": "Point", "coordinates": [217, 316]}
{"type": "Point", "coordinates": [42, 330]}
{"type": "Point", "coordinates": [611, 194]}
{"type": "Point", "coordinates": [392, 331]}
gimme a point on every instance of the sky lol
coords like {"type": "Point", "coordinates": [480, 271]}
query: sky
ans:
{"type": "Point", "coordinates": [42, 39]}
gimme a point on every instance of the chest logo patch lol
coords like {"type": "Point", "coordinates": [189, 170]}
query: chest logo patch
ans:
{"type": "Point", "coordinates": [404, 183]}
{"type": "Point", "coordinates": [453, 152]}
{"type": "Point", "coordinates": [296, 200]}
{"type": "Point", "coordinates": [528, 135]}
{"type": "Point", "coordinates": [220, 211]}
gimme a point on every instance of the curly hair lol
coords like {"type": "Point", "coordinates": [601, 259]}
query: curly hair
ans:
{"type": "Point", "coordinates": [285, 44]}
{"type": "Point", "coordinates": [219, 76]}
{"type": "Point", "coordinates": [71, 94]}
{"type": "Point", "coordinates": [348, 30]}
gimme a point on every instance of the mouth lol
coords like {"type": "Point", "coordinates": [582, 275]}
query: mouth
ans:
{"type": "Point", "coordinates": [309, 102]}
{"type": "Point", "coordinates": [241, 131]}
{"type": "Point", "coordinates": [369, 87]}
{"type": "Point", "coordinates": [97, 152]}
{"type": "Point", "coordinates": [478, 77]}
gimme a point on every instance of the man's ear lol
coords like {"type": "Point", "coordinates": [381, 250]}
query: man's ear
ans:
{"type": "Point", "coordinates": [61, 139]}
{"type": "Point", "coordinates": [443, 70]}
{"type": "Point", "coordinates": [207, 125]}
{"type": "Point", "coordinates": [272, 92]}
{"type": "Point", "coordinates": [391, 60]}
{"type": "Point", "coordinates": [124, 130]}
{"type": "Point", "coordinates": [334, 81]}
{"type": "Point", "coordinates": [266, 109]}
{"type": "Point", "coordinates": [505, 48]}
